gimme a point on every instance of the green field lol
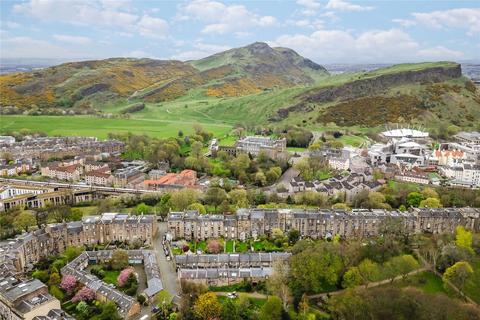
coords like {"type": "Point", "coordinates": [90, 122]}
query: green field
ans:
{"type": "Point", "coordinates": [100, 127]}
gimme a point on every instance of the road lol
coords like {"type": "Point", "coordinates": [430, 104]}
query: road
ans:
{"type": "Point", "coordinates": [167, 268]}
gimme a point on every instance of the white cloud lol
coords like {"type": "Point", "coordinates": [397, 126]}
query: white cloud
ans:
{"type": "Point", "coordinates": [152, 27]}
{"type": "Point", "coordinates": [404, 22]}
{"type": "Point", "coordinates": [76, 12]}
{"type": "Point", "coordinates": [200, 50]}
{"type": "Point", "coordinates": [72, 39]}
{"type": "Point", "coordinates": [307, 23]}
{"type": "Point", "coordinates": [221, 18]}
{"type": "Point", "coordinates": [310, 4]}
{"type": "Point", "coordinates": [466, 18]}
{"type": "Point", "coordinates": [26, 47]}
{"type": "Point", "coordinates": [341, 5]}
{"type": "Point", "coordinates": [102, 13]}
{"type": "Point", "coordinates": [391, 45]}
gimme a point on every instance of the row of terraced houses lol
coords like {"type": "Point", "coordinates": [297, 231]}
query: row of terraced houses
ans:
{"type": "Point", "coordinates": [317, 224]}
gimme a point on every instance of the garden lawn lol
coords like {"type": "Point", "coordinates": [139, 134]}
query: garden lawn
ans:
{"type": "Point", "coordinates": [241, 246]}
{"type": "Point", "coordinates": [111, 276]}
{"type": "Point", "coordinates": [229, 246]}
{"type": "Point", "coordinates": [265, 245]}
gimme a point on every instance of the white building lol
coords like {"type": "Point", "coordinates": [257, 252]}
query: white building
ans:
{"type": "Point", "coordinates": [464, 174]}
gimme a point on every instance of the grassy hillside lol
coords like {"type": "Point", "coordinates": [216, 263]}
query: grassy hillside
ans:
{"type": "Point", "coordinates": [84, 86]}
{"type": "Point", "coordinates": [254, 86]}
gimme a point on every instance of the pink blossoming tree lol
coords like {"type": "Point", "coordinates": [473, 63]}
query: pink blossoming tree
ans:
{"type": "Point", "coordinates": [123, 276]}
{"type": "Point", "coordinates": [68, 283]}
{"type": "Point", "coordinates": [84, 294]}
{"type": "Point", "coordinates": [214, 246]}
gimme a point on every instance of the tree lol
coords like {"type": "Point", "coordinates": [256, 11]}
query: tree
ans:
{"type": "Point", "coordinates": [180, 200]}
{"type": "Point", "coordinates": [82, 308]}
{"type": "Point", "coordinates": [24, 221]}
{"type": "Point", "coordinates": [463, 238]}
{"type": "Point", "coordinates": [214, 246]}
{"type": "Point", "coordinates": [119, 259]}
{"type": "Point", "coordinates": [230, 311]}
{"type": "Point", "coordinates": [196, 149]}
{"type": "Point", "coordinates": [109, 312]}
{"type": "Point", "coordinates": [215, 196]}
{"type": "Point", "coordinates": [238, 198]}
{"type": "Point", "coordinates": [41, 215]}
{"type": "Point", "coordinates": [316, 268]}
{"type": "Point", "coordinates": [277, 283]}
{"type": "Point", "coordinates": [430, 203]}
{"type": "Point", "coordinates": [197, 207]}
{"type": "Point", "coordinates": [84, 294]}
{"type": "Point", "coordinates": [54, 279]}
{"type": "Point", "coordinates": [376, 200]}
{"type": "Point", "coordinates": [272, 309]}
{"type": "Point", "coordinates": [207, 307]}
{"type": "Point", "coordinates": [68, 283]}
{"type": "Point", "coordinates": [352, 278]}
{"type": "Point", "coordinates": [458, 274]}
{"type": "Point", "coordinates": [71, 252]}
{"type": "Point", "coordinates": [404, 264]}
{"type": "Point", "coordinates": [293, 236]}
{"type": "Point", "coordinates": [369, 271]}
{"type": "Point", "coordinates": [59, 213]}
{"type": "Point", "coordinates": [142, 208]}
{"type": "Point", "coordinates": [429, 193]}
{"type": "Point", "coordinates": [123, 276]}
{"type": "Point", "coordinates": [260, 179]}
{"type": "Point", "coordinates": [414, 199]}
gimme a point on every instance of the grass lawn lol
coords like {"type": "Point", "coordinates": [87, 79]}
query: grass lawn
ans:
{"type": "Point", "coordinates": [472, 285]}
{"type": "Point", "coordinates": [111, 276]}
{"type": "Point", "coordinates": [100, 127]}
{"type": "Point", "coordinates": [427, 281]}
{"type": "Point", "coordinates": [265, 245]}
{"type": "Point", "coordinates": [229, 246]}
{"type": "Point", "coordinates": [241, 246]}
{"type": "Point", "coordinates": [199, 245]}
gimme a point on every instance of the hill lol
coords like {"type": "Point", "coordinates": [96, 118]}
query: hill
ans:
{"type": "Point", "coordinates": [255, 85]}
{"type": "Point", "coordinates": [91, 84]}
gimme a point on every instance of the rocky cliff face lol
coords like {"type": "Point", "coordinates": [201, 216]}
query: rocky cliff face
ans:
{"type": "Point", "coordinates": [371, 86]}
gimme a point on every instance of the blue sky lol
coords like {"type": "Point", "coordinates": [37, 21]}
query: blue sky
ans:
{"type": "Point", "coordinates": [326, 31]}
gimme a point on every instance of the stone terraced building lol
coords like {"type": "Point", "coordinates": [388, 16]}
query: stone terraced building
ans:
{"type": "Point", "coordinates": [29, 298]}
{"type": "Point", "coordinates": [316, 223]}
{"type": "Point", "coordinates": [27, 249]}
{"type": "Point", "coordinates": [227, 268]}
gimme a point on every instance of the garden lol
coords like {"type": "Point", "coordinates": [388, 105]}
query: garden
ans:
{"type": "Point", "coordinates": [214, 246]}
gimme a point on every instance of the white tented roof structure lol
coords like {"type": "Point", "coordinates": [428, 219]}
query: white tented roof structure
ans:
{"type": "Point", "coordinates": [405, 133]}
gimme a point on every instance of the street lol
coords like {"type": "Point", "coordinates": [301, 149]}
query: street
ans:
{"type": "Point", "coordinates": [167, 269]}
